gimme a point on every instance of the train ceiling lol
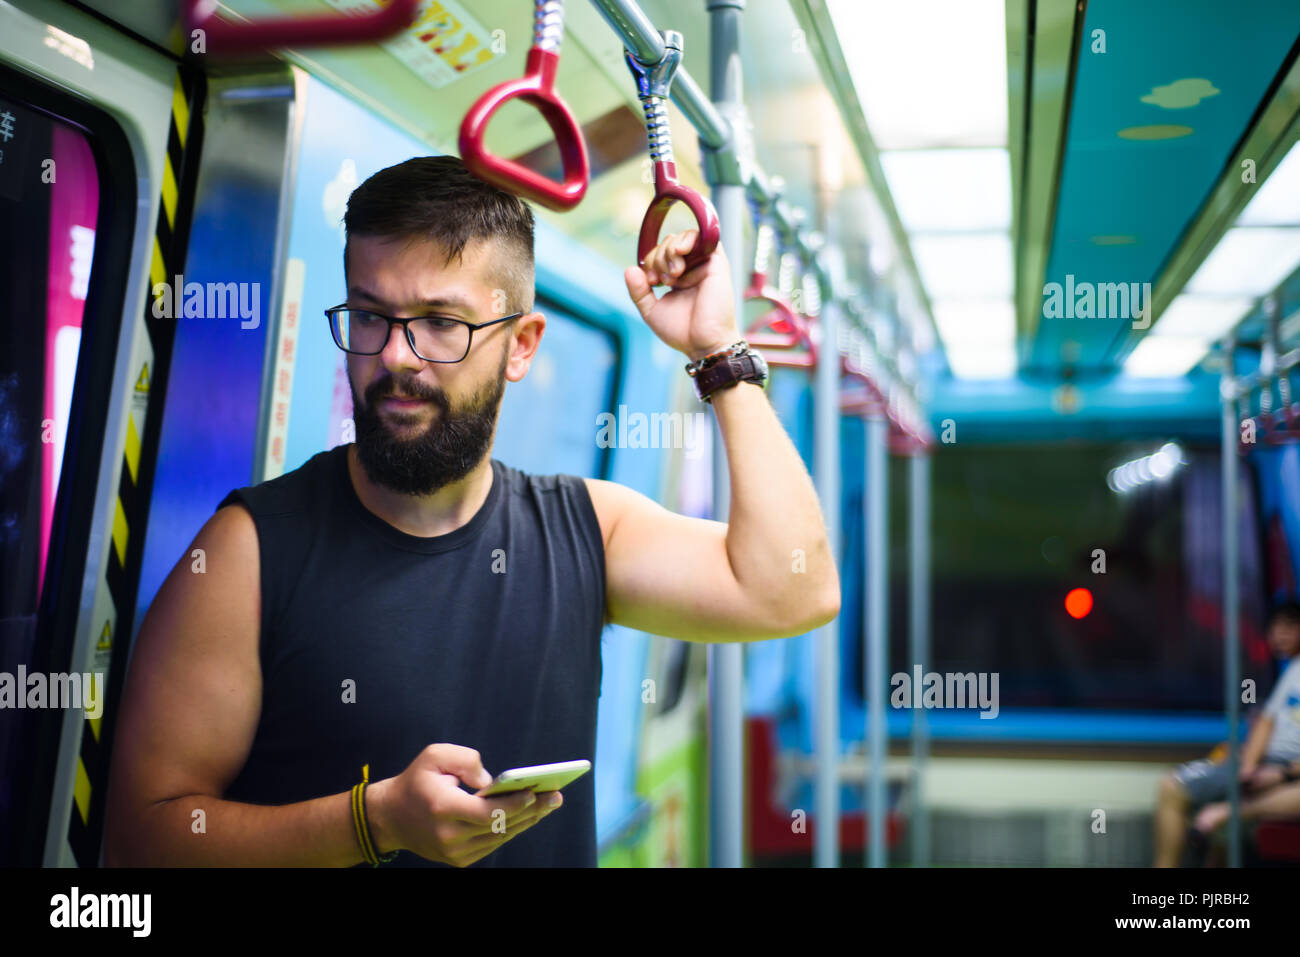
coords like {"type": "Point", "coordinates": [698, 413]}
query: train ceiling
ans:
{"type": "Point", "coordinates": [961, 153]}
{"type": "Point", "coordinates": [1036, 142]}
{"type": "Point", "coordinates": [1156, 123]}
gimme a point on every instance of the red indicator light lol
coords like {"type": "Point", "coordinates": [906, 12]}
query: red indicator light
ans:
{"type": "Point", "coordinates": [1078, 603]}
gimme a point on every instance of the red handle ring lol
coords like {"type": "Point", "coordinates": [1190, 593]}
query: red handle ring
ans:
{"type": "Point", "coordinates": [804, 330]}
{"type": "Point", "coordinates": [763, 333]}
{"type": "Point", "coordinates": [781, 312]}
{"type": "Point", "coordinates": [330, 30]}
{"type": "Point", "coordinates": [536, 87]}
{"type": "Point", "coordinates": [1278, 428]}
{"type": "Point", "coordinates": [667, 192]}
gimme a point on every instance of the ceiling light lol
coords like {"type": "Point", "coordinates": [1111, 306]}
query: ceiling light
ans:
{"type": "Point", "coordinates": [1277, 199]}
{"type": "Point", "coordinates": [950, 190]}
{"type": "Point", "coordinates": [891, 49]}
{"type": "Point", "coordinates": [1164, 357]}
{"type": "Point", "coordinates": [1248, 261]}
{"type": "Point", "coordinates": [1201, 317]}
{"type": "Point", "coordinates": [974, 266]}
{"type": "Point", "coordinates": [977, 322]}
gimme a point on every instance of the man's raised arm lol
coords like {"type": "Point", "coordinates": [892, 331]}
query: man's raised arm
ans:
{"type": "Point", "coordinates": [768, 572]}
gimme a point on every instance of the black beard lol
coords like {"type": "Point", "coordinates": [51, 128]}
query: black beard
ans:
{"type": "Point", "coordinates": [445, 452]}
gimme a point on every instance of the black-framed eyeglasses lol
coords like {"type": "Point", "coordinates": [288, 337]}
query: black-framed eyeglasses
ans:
{"type": "Point", "coordinates": [363, 332]}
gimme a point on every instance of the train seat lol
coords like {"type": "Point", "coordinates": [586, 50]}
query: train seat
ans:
{"type": "Point", "coordinates": [1278, 841]}
{"type": "Point", "coordinates": [769, 821]}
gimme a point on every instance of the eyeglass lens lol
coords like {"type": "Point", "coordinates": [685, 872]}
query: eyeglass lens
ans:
{"type": "Point", "coordinates": [435, 339]}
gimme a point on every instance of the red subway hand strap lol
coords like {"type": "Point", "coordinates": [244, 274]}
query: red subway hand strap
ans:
{"type": "Point", "coordinates": [667, 192]}
{"type": "Point", "coordinates": [537, 88]}
{"type": "Point", "coordinates": [329, 30]}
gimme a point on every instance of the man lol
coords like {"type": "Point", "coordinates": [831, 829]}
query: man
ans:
{"type": "Point", "coordinates": [410, 606]}
{"type": "Point", "coordinates": [1270, 757]}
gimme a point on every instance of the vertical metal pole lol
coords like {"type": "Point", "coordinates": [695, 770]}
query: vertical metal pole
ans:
{"type": "Point", "coordinates": [1231, 656]}
{"type": "Point", "coordinates": [826, 424]}
{"type": "Point", "coordinates": [877, 602]}
{"type": "Point", "coordinates": [919, 533]}
{"type": "Point", "coordinates": [726, 661]}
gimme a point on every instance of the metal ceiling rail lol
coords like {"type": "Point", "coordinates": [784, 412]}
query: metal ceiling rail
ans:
{"type": "Point", "coordinates": [1245, 385]}
{"type": "Point", "coordinates": [1271, 362]}
{"type": "Point", "coordinates": [640, 36]}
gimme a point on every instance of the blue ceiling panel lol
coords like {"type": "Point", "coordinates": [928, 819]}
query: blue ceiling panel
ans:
{"type": "Point", "coordinates": [1154, 120]}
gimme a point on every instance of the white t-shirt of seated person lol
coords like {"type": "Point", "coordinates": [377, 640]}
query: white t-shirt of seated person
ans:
{"type": "Point", "coordinates": [1283, 706]}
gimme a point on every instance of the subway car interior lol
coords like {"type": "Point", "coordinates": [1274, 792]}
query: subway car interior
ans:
{"type": "Point", "coordinates": [1026, 274]}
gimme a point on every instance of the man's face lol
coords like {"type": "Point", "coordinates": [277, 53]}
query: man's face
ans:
{"type": "Point", "coordinates": [422, 425]}
{"type": "Point", "coordinates": [1284, 636]}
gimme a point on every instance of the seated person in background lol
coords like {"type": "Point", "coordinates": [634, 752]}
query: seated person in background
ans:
{"type": "Point", "coordinates": [1270, 757]}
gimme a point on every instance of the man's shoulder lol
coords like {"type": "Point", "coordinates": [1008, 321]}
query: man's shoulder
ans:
{"type": "Point", "coordinates": [579, 493]}
{"type": "Point", "coordinates": [290, 491]}
{"type": "Point", "coordinates": [517, 480]}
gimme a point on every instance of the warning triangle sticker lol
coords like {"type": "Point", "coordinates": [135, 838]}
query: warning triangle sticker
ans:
{"type": "Point", "coordinates": [142, 383]}
{"type": "Point", "coordinates": [105, 638]}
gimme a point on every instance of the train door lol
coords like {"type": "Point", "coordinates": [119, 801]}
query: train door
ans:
{"type": "Point", "coordinates": [93, 183]}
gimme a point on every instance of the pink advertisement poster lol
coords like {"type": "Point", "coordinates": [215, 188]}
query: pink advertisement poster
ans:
{"type": "Point", "coordinates": [74, 206]}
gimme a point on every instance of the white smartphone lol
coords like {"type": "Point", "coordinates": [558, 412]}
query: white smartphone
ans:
{"type": "Point", "coordinates": [541, 777]}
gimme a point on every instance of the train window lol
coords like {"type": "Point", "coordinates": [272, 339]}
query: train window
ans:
{"type": "Point", "coordinates": [1007, 554]}
{"type": "Point", "coordinates": [58, 195]}
{"type": "Point", "coordinates": [49, 191]}
{"type": "Point", "coordinates": [548, 421]}
{"type": "Point", "coordinates": [51, 211]}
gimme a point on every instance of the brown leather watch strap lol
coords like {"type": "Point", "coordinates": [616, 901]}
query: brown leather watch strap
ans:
{"type": "Point", "coordinates": [727, 372]}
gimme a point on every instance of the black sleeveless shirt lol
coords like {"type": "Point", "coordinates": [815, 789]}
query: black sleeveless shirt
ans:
{"type": "Point", "coordinates": [375, 643]}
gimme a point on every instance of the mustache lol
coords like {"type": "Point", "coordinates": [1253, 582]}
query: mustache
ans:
{"type": "Point", "coordinates": [407, 387]}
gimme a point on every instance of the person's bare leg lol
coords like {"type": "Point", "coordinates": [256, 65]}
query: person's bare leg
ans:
{"type": "Point", "coordinates": [1281, 801]}
{"type": "Point", "coordinates": [1211, 817]}
{"type": "Point", "coordinates": [1170, 822]}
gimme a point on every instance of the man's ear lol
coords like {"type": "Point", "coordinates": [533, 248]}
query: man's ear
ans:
{"type": "Point", "coordinates": [526, 337]}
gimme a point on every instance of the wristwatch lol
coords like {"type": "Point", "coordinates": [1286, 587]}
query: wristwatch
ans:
{"type": "Point", "coordinates": [721, 370]}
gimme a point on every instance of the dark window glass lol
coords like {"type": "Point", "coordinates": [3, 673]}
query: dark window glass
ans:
{"type": "Point", "coordinates": [1017, 528]}
{"type": "Point", "coordinates": [49, 202]}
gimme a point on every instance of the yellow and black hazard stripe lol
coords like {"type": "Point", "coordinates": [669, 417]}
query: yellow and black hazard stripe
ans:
{"type": "Point", "coordinates": [116, 593]}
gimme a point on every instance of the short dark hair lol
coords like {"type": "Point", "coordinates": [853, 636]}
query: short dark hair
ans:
{"type": "Point", "coordinates": [436, 198]}
{"type": "Point", "coordinates": [1285, 613]}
